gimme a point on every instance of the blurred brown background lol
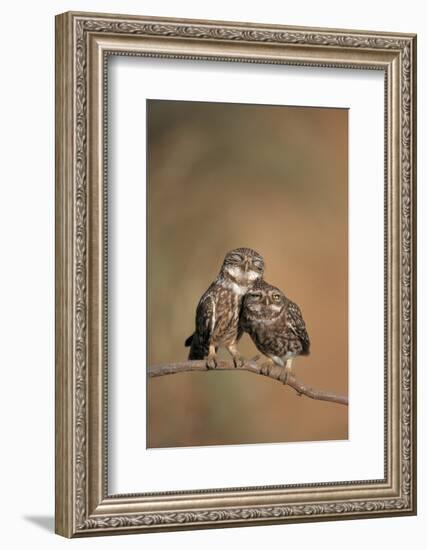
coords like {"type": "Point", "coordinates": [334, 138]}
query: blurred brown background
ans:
{"type": "Point", "coordinates": [222, 176]}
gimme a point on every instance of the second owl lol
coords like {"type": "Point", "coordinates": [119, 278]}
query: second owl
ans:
{"type": "Point", "coordinates": [275, 324]}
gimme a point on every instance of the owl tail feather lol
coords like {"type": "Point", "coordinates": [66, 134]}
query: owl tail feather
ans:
{"type": "Point", "coordinates": [197, 351]}
{"type": "Point", "coordinates": [189, 341]}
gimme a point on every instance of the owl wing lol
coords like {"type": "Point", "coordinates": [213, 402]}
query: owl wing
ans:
{"type": "Point", "coordinates": [205, 319]}
{"type": "Point", "coordinates": [295, 323]}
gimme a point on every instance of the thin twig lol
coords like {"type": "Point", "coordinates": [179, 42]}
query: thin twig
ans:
{"type": "Point", "coordinates": [266, 369]}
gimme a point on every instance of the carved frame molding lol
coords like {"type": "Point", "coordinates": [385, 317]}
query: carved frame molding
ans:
{"type": "Point", "coordinates": [83, 43]}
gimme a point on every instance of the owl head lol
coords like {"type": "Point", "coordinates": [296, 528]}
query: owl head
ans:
{"type": "Point", "coordinates": [264, 302]}
{"type": "Point", "coordinates": [244, 266]}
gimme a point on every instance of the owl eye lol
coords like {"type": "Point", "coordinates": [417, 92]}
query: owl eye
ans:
{"type": "Point", "coordinates": [276, 297]}
{"type": "Point", "coordinates": [258, 266]}
{"type": "Point", "coordinates": [256, 295]}
{"type": "Point", "coordinates": [236, 258]}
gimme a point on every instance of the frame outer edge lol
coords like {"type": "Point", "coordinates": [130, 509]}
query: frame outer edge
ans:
{"type": "Point", "coordinates": [415, 266]}
{"type": "Point", "coordinates": [413, 159]}
{"type": "Point", "coordinates": [64, 237]}
{"type": "Point", "coordinates": [232, 24]}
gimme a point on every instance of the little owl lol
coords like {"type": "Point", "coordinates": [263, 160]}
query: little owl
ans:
{"type": "Point", "coordinates": [218, 311]}
{"type": "Point", "coordinates": [275, 324]}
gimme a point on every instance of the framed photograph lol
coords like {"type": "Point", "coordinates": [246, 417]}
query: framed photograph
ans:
{"type": "Point", "coordinates": [235, 274]}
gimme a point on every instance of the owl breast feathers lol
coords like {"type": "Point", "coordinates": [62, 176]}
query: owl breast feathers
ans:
{"type": "Point", "coordinates": [274, 323]}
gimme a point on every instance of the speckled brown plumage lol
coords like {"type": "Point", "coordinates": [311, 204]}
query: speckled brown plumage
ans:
{"type": "Point", "coordinates": [274, 323]}
{"type": "Point", "coordinates": [218, 311]}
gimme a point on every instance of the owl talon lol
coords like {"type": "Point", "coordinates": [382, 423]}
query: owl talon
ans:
{"type": "Point", "coordinates": [211, 362]}
{"type": "Point", "coordinates": [238, 361]}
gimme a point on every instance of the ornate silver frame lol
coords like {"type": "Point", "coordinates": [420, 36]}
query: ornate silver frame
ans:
{"type": "Point", "coordinates": [83, 505]}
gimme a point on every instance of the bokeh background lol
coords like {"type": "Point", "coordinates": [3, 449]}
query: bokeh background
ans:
{"type": "Point", "coordinates": [273, 178]}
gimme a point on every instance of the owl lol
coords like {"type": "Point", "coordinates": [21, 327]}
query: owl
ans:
{"type": "Point", "coordinates": [275, 324]}
{"type": "Point", "coordinates": [218, 311]}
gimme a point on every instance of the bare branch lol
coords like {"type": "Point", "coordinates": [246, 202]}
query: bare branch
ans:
{"type": "Point", "coordinates": [266, 369]}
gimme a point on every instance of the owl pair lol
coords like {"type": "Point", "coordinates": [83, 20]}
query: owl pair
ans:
{"type": "Point", "coordinates": [238, 301]}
